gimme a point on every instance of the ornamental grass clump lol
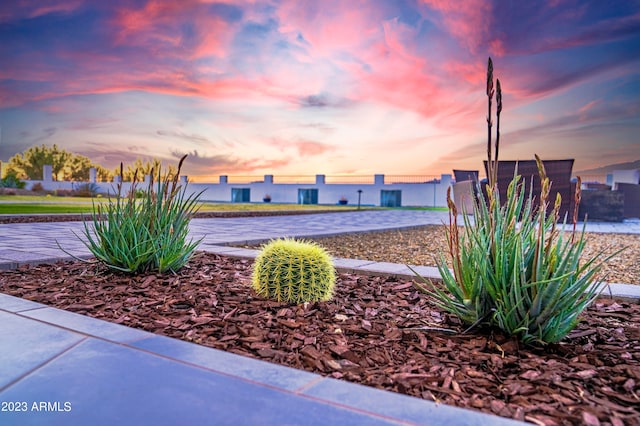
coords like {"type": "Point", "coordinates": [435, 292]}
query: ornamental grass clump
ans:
{"type": "Point", "coordinates": [513, 267]}
{"type": "Point", "coordinates": [141, 234]}
{"type": "Point", "coordinates": [294, 271]}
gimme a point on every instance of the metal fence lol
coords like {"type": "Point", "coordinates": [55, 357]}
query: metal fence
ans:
{"type": "Point", "coordinates": [245, 179]}
{"type": "Point", "coordinates": [328, 179]}
{"type": "Point", "coordinates": [411, 178]}
{"type": "Point", "coordinates": [350, 179]}
{"type": "Point", "coordinates": [301, 179]}
{"type": "Point", "coordinates": [592, 178]}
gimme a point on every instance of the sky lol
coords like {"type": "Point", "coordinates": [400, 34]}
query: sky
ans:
{"type": "Point", "coordinates": [332, 87]}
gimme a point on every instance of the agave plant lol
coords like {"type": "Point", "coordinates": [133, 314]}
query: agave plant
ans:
{"type": "Point", "coordinates": [513, 268]}
{"type": "Point", "coordinates": [146, 229]}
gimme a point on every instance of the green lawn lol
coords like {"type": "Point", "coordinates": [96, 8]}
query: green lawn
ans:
{"type": "Point", "coordinates": [45, 199]}
{"type": "Point", "coordinates": [36, 204]}
{"type": "Point", "coordinates": [26, 204]}
{"type": "Point", "coordinates": [48, 208]}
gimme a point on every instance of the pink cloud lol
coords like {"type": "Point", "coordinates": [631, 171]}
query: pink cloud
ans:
{"type": "Point", "coordinates": [11, 10]}
{"type": "Point", "coordinates": [137, 25]}
{"type": "Point", "coordinates": [330, 26]}
{"type": "Point", "coordinates": [349, 51]}
{"type": "Point", "coordinates": [497, 47]}
{"type": "Point", "coordinates": [397, 76]}
{"type": "Point", "coordinates": [167, 83]}
{"type": "Point", "coordinates": [380, 60]}
{"type": "Point", "coordinates": [588, 106]}
{"type": "Point", "coordinates": [158, 57]}
{"type": "Point", "coordinates": [158, 26]}
{"type": "Point", "coordinates": [45, 8]}
{"type": "Point", "coordinates": [468, 21]}
{"type": "Point", "coordinates": [471, 72]}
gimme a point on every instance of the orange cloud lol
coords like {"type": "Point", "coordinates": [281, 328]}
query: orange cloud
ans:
{"type": "Point", "coordinates": [311, 148]}
{"type": "Point", "coordinates": [305, 148]}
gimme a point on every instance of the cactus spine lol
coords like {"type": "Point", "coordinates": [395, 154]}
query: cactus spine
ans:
{"type": "Point", "coordinates": [294, 271]}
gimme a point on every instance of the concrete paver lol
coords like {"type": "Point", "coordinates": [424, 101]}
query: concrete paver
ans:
{"type": "Point", "coordinates": [36, 239]}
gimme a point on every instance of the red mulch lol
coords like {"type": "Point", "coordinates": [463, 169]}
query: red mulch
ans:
{"type": "Point", "coordinates": [377, 331]}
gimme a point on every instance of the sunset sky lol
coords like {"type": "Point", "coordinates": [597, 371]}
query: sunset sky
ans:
{"type": "Point", "coordinates": [285, 87]}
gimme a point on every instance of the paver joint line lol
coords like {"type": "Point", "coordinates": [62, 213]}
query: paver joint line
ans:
{"type": "Point", "coordinates": [308, 385]}
{"type": "Point", "coordinates": [43, 364]}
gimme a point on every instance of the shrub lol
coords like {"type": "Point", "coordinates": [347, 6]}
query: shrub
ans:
{"type": "Point", "coordinates": [37, 187]}
{"type": "Point", "coordinates": [136, 192]}
{"type": "Point", "coordinates": [63, 192]}
{"type": "Point", "coordinates": [148, 234]}
{"type": "Point", "coordinates": [512, 267]}
{"type": "Point", "coordinates": [86, 190]}
{"type": "Point", "coordinates": [11, 181]}
{"type": "Point", "coordinates": [294, 271]}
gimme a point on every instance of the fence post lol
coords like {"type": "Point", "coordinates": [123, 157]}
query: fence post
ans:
{"type": "Point", "coordinates": [47, 173]}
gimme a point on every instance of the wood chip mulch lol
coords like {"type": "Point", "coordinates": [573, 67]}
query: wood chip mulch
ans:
{"type": "Point", "coordinates": [377, 331]}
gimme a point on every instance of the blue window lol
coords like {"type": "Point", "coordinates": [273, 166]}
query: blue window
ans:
{"type": "Point", "coordinates": [308, 196]}
{"type": "Point", "coordinates": [240, 195]}
{"type": "Point", "coordinates": [390, 198]}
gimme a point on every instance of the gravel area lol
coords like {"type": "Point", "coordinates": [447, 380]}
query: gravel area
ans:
{"type": "Point", "coordinates": [420, 246]}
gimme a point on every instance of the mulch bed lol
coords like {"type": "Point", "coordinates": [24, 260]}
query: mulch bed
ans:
{"type": "Point", "coordinates": [377, 331]}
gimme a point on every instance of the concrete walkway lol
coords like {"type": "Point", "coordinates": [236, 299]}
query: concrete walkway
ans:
{"type": "Point", "coordinates": [33, 242]}
{"type": "Point", "coordinates": [58, 367]}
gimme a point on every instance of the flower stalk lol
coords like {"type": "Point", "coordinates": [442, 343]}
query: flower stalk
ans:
{"type": "Point", "coordinates": [513, 269]}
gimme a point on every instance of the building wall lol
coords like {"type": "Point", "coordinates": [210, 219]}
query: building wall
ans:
{"type": "Point", "coordinates": [429, 194]}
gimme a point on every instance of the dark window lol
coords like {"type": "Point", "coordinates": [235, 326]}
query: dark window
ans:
{"type": "Point", "coordinates": [240, 195]}
{"type": "Point", "coordinates": [307, 196]}
{"type": "Point", "coordinates": [390, 198]}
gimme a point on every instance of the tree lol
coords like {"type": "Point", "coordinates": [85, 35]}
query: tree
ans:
{"type": "Point", "coordinates": [145, 168]}
{"type": "Point", "coordinates": [29, 164]}
{"type": "Point", "coordinates": [77, 168]}
{"type": "Point", "coordinates": [65, 165]}
{"type": "Point", "coordinates": [103, 174]}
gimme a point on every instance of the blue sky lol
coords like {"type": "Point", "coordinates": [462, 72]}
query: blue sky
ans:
{"type": "Point", "coordinates": [308, 87]}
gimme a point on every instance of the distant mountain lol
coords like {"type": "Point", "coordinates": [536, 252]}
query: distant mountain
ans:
{"type": "Point", "coordinates": [609, 169]}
